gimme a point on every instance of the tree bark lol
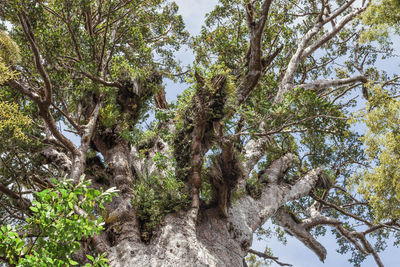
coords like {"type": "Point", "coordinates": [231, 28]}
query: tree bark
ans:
{"type": "Point", "coordinates": [181, 243]}
{"type": "Point", "coordinates": [212, 240]}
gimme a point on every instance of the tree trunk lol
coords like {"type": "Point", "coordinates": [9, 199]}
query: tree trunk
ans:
{"type": "Point", "coordinates": [179, 242]}
{"type": "Point", "coordinates": [208, 239]}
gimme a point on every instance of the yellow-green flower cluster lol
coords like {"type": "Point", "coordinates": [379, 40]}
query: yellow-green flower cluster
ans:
{"type": "Point", "coordinates": [9, 56]}
{"type": "Point", "coordinates": [13, 121]}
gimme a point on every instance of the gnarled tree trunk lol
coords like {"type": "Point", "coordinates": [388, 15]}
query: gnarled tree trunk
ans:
{"type": "Point", "coordinates": [210, 238]}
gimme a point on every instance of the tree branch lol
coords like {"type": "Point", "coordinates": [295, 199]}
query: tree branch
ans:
{"type": "Point", "coordinates": [59, 158]}
{"type": "Point", "coordinates": [27, 29]}
{"type": "Point", "coordinates": [254, 150]}
{"type": "Point", "coordinates": [358, 218]}
{"type": "Point", "coordinates": [351, 236]}
{"type": "Point", "coordinates": [23, 90]}
{"type": "Point", "coordinates": [330, 34]}
{"type": "Point", "coordinates": [51, 124]}
{"type": "Point", "coordinates": [322, 84]}
{"type": "Point", "coordinates": [278, 168]}
{"type": "Point", "coordinates": [286, 220]}
{"type": "Point", "coordinates": [255, 67]}
{"type": "Point", "coordinates": [268, 257]}
{"type": "Point", "coordinates": [79, 162]}
{"type": "Point", "coordinates": [101, 81]}
{"type": "Point", "coordinates": [22, 202]}
{"type": "Point", "coordinates": [303, 51]}
{"type": "Point", "coordinates": [43, 104]}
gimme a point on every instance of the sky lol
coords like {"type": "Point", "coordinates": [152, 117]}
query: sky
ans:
{"type": "Point", "coordinates": [295, 253]}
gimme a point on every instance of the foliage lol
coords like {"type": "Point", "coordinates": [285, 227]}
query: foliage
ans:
{"type": "Point", "coordinates": [157, 194]}
{"type": "Point", "coordinates": [382, 17]}
{"type": "Point", "coordinates": [60, 217]}
{"type": "Point", "coordinates": [9, 56]}
{"type": "Point", "coordinates": [380, 184]}
{"type": "Point", "coordinates": [254, 186]}
{"type": "Point", "coordinates": [12, 121]}
{"type": "Point", "coordinates": [252, 261]}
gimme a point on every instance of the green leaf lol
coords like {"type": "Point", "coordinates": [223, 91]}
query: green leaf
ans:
{"type": "Point", "coordinates": [72, 262]}
{"type": "Point", "coordinates": [34, 209]}
{"type": "Point", "coordinates": [90, 257]}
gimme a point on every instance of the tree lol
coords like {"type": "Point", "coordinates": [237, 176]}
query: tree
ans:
{"type": "Point", "coordinates": [262, 131]}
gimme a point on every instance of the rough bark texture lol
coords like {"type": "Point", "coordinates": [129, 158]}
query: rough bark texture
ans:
{"type": "Point", "coordinates": [181, 243]}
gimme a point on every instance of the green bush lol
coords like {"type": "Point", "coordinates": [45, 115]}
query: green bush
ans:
{"type": "Point", "coordinates": [51, 234]}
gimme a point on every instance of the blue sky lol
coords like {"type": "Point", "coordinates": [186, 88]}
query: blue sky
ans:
{"type": "Point", "coordinates": [193, 12]}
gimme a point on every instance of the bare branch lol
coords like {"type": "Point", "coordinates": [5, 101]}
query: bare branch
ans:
{"type": "Point", "coordinates": [101, 81]}
{"type": "Point", "coordinates": [268, 257]}
{"type": "Point", "coordinates": [255, 67]}
{"type": "Point", "coordinates": [352, 236]}
{"type": "Point", "coordinates": [286, 220]}
{"type": "Point", "coordinates": [22, 202]}
{"type": "Point", "coordinates": [330, 34]}
{"type": "Point", "coordinates": [322, 84]}
{"type": "Point", "coordinates": [326, 203]}
{"type": "Point", "coordinates": [303, 51]}
{"type": "Point", "coordinates": [68, 117]}
{"type": "Point", "coordinates": [23, 90]}
{"type": "Point", "coordinates": [11, 213]}
{"type": "Point", "coordinates": [27, 29]}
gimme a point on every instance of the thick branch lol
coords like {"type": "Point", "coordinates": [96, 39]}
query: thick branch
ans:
{"type": "Point", "coordinates": [322, 84]}
{"type": "Point", "coordinates": [304, 185]}
{"type": "Point", "coordinates": [27, 29]}
{"type": "Point", "coordinates": [51, 124]}
{"type": "Point", "coordinates": [255, 149]}
{"type": "Point", "coordinates": [248, 214]}
{"type": "Point", "coordinates": [255, 67]}
{"type": "Point", "coordinates": [287, 81]}
{"type": "Point", "coordinates": [160, 100]}
{"type": "Point", "coordinates": [79, 162]}
{"type": "Point", "coordinates": [358, 239]}
{"type": "Point", "coordinates": [278, 168]}
{"type": "Point", "coordinates": [286, 220]}
{"type": "Point", "coordinates": [200, 140]}
{"type": "Point", "coordinates": [23, 90]}
{"type": "Point", "coordinates": [22, 202]}
{"type": "Point", "coordinates": [58, 158]}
